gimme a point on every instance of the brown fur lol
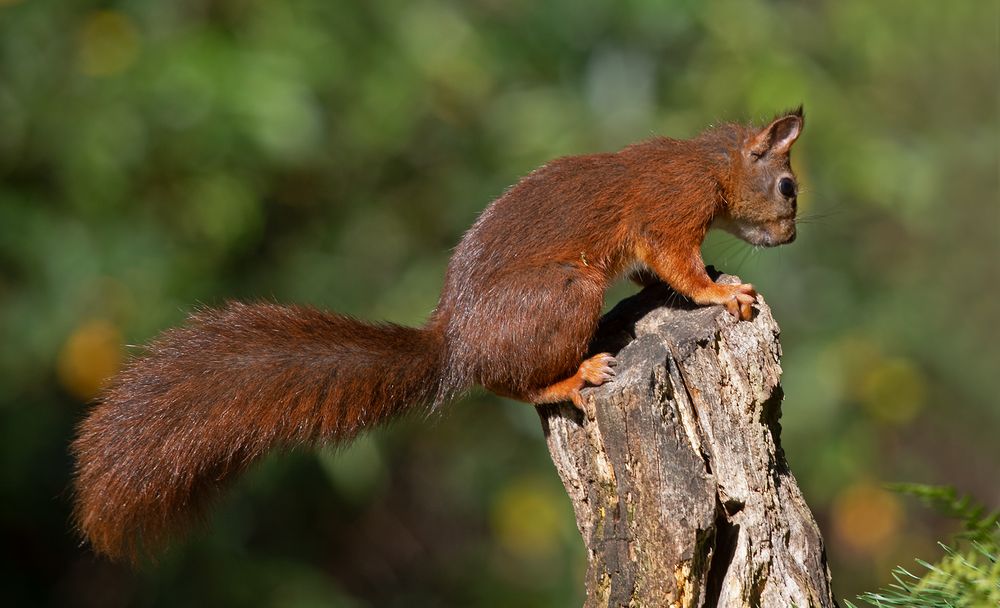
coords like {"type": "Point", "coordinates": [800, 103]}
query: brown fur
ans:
{"type": "Point", "coordinates": [208, 399]}
{"type": "Point", "coordinates": [521, 300]}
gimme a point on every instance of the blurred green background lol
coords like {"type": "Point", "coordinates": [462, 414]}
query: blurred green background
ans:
{"type": "Point", "coordinates": [155, 155]}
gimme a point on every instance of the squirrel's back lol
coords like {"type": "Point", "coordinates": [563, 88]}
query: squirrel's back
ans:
{"type": "Point", "coordinates": [525, 287]}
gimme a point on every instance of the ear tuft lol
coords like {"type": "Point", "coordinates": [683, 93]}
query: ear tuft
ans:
{"type": "Point", "coordinates": [778, 137]}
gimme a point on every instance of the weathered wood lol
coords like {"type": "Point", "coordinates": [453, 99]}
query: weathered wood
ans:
{"type": "Point", "coordinates": [676, 473]}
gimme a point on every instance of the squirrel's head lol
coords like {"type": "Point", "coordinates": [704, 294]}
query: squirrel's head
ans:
{"type": "Point", "coordinates": [759, 196]}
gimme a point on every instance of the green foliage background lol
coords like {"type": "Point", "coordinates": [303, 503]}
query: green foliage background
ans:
{"type": "Point", "coordinates": [154, 155]}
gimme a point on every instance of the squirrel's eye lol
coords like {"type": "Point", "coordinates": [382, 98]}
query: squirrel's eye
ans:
{"type": "Point", "coordinates": [786, 187]}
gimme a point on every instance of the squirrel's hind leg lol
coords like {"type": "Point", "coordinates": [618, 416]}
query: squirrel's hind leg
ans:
{"type": "Point", "coordinates": [594, 371]}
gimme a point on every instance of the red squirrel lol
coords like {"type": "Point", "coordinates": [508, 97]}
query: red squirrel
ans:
{"type": "Point", "coordinates": [521, 300]}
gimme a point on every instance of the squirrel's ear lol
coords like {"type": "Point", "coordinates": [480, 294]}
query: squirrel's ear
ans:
{"type": "Point", "coordinates": [777, 137]}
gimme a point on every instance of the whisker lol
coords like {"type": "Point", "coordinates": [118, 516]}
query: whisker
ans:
{"type": "Point", "coordinates": [746, 254]}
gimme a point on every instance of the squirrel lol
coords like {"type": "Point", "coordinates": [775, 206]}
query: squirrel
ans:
{"type": "Point", "coordinates": [522, 296]}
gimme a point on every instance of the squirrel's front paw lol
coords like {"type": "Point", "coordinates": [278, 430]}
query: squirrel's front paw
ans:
{"type": "Point", "coordinates": [736, 298]}
{"type": "Point", "coordinates": [598, 369]}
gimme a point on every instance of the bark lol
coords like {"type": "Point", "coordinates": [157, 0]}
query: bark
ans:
{"type": "Point", "coordinates": [681, 490]}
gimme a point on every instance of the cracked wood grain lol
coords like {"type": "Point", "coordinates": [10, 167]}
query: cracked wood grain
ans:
{"type": "Point", "coordinates": [679, 485]}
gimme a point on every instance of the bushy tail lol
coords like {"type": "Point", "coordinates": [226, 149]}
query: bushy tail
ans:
{"type": "Point", "coordinates": [209, 398]}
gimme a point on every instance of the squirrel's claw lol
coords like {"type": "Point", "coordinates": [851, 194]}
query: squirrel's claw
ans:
{"type": "Point", "coordinates": [738, 300]}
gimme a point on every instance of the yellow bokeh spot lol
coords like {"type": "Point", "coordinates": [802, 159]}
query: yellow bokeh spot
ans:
{"type": "Point", "coordinates": [108, 43]}
{"type": "Point", "coordinates": [891, 388]}
{"type": "Point", "coordinates": [867, 518]}
{"type": "Point", "coordinates": [893, 391]}
{"type": "Point", "coordinates": [90, 355]}
{"type": "Point", "coordinates": [9, 2]}
{"type": "Point", "coordinates": [855, 355]}
{"type": "Point", "coordinates": [527, 520]}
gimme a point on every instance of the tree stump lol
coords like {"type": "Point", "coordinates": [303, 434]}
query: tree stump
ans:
{"type": "Point", "coordinates": [681, 490]}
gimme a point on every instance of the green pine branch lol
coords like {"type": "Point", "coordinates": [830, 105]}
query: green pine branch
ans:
{"type": "Point", "coordinates": [967, 576]}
